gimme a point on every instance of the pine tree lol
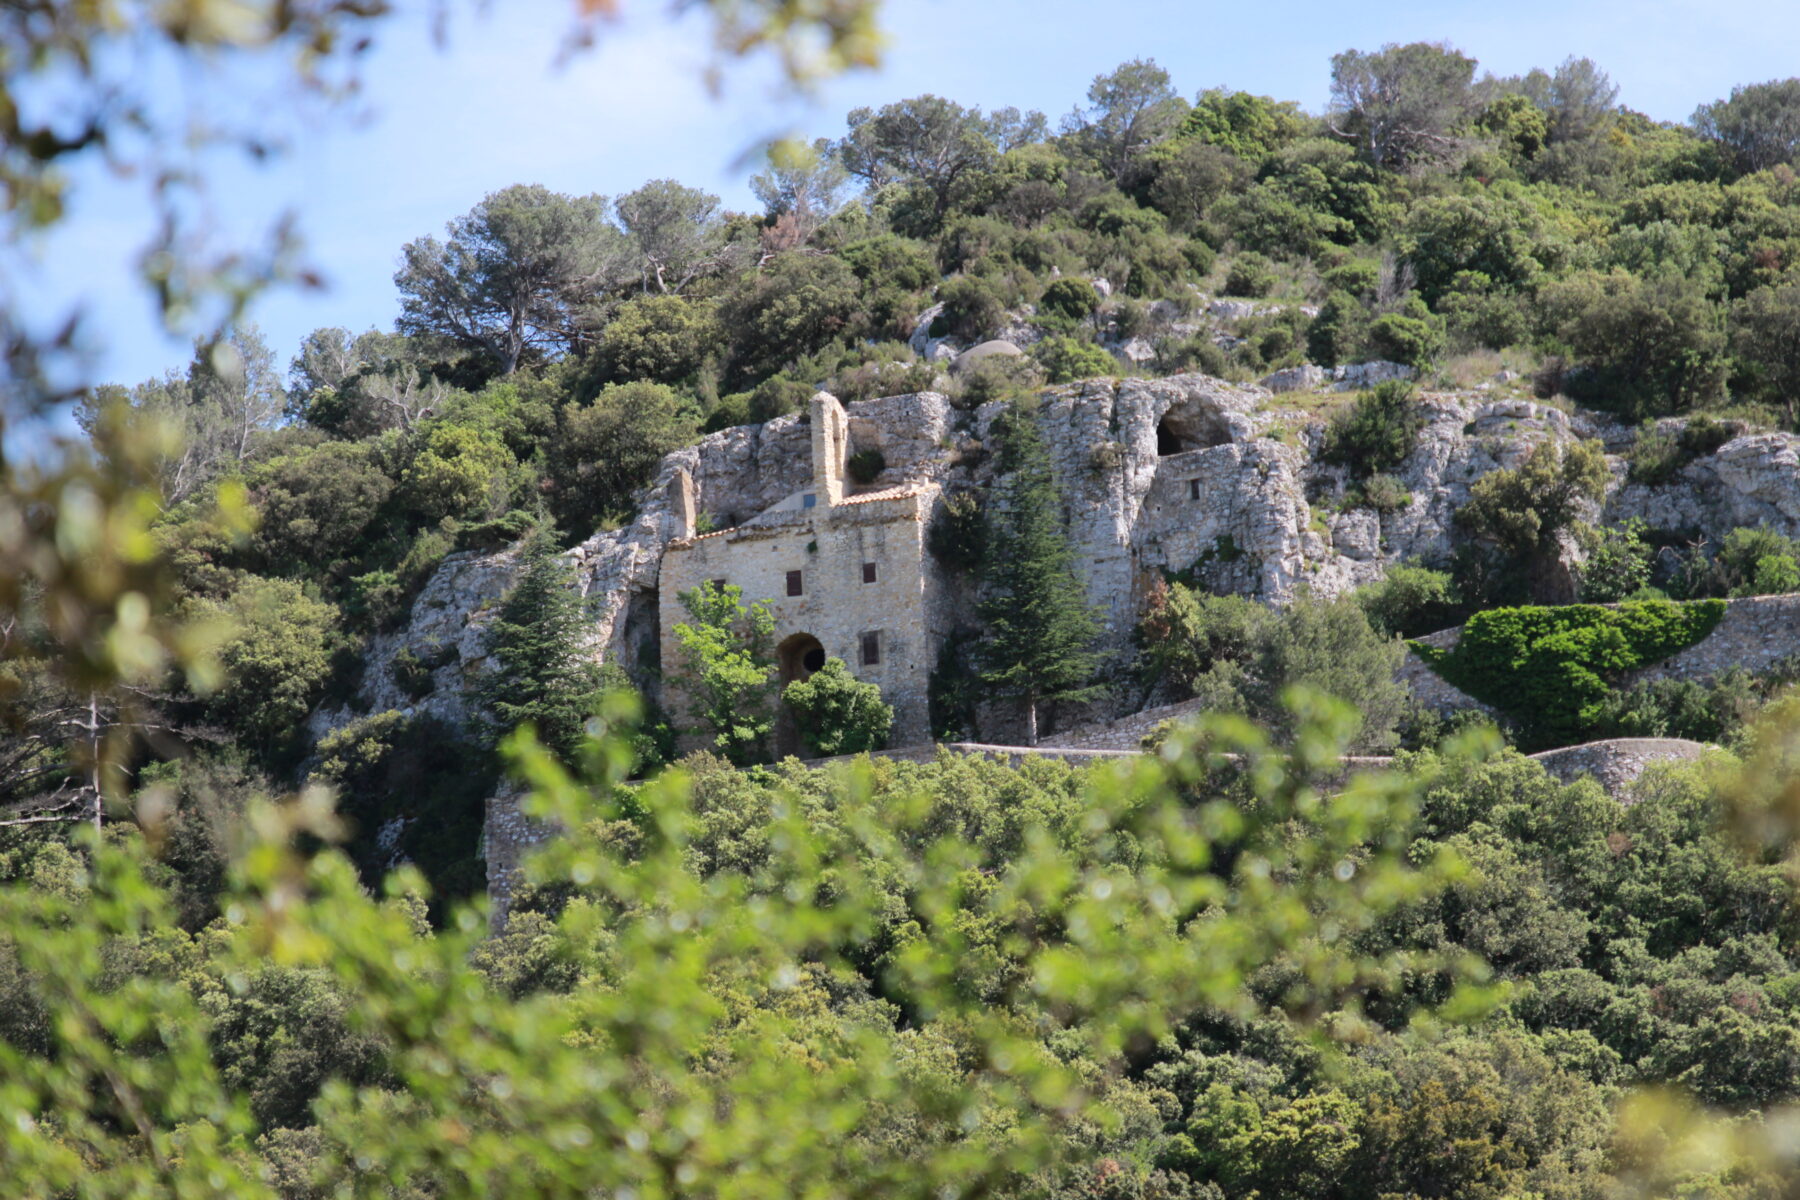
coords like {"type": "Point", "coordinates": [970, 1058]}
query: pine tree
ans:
{"type": "Point", "coordinates": [1040, 629]}
{"type": "Point", "coordinates": [540, 674]}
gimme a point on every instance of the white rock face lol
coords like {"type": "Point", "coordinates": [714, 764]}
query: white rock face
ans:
{"type": "Point", "coordinates": [1178, 474]}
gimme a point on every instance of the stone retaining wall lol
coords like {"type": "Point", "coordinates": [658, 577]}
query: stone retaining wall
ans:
{"type": "Point", "coordinates": [507, 836]}
{"type": "Point", "coordinates": [1616, 764]}
{"type": "Point", "coordinates": [1755, 633]}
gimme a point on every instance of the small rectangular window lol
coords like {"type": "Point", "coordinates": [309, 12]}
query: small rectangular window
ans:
{"type": "Point", "coordinates": [809, 501]}
{"type": "Point", "coordinates": [868, 572]}
{"type": "Point", "coordinates": [1193, 489]}
{"type": "Point", "coordinates": [795, 586]}
{"type": "Point", "coordinates": [871, 649]}
{"type": "Point", "coordinates": [718, 585]}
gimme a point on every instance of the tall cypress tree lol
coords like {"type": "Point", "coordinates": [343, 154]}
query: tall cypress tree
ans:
{"type": "Point", "coordinates": [540, 674]}
{"type": "Point", "coordinates": [1040, 629]}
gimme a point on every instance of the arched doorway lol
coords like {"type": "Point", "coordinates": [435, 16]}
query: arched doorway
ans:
{"type": "Point", "coordinates": [797, 657]}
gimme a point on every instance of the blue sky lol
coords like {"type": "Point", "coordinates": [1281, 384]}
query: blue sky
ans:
{"type": "Point", "coordinates": [444, 125]}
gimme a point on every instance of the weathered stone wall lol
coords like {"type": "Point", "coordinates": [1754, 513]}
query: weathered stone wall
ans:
{"type": "Point", "coordinates": [829, 546]}
{"type": "Point", "coordinates": [1617, 763]}
{"type": "Point", "coordinates": [507, 836]}
{"type": "Point", "coordinates": [1755, 633]}
{"type": "Point", "coordinates": [1231, 502]}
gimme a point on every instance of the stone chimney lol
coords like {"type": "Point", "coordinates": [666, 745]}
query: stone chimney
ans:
{"type": "Point", "coordinates": [830, 445]}
{"type": "Point", "coordinates": [680, 495]}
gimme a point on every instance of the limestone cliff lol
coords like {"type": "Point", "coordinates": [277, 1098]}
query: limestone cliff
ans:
{"type": "Point", "coordinates": [1182, 473]}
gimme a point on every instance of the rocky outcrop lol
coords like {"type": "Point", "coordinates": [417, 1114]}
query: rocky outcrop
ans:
{"type": "Point", "coordinates": [1183, 474]}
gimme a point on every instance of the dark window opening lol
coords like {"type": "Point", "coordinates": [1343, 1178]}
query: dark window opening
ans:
{"type": "Point", "coordinates": [813, 660]}
{"type": "Point", "coordinates": [1193, 489]}
{"type": "Point", "coordinates": [868, 572]}
{"type": "Point", "coordinates": [1166, 441]}
{"type": "Point", "coordinates": [871, 649]}
{"type": "Point", "coordinates": [795, 586]}
{"type": "Point", "coordinates": [718, 585]}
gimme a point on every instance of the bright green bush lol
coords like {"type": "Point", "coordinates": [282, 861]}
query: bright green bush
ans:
{"type": "Point", "coordinates": [1067, 360]}
{"type": "Point", "coordinates": [837, 713]}
{"type": "Point", "coordinates": [1551, 670]}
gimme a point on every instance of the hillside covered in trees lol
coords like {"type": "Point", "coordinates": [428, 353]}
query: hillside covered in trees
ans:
{"type": "Point", "coordinates": [243, 950]}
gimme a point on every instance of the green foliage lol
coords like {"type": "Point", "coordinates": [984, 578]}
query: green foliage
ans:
{"type": "Point", "coordinates": [412, 789]}
{"type": "Point", "coordinates": [865, 465]}
{"type": "Point", "coordinates": [316, 504]}
{"type": "Point", "coordinates": [726, 669]}
{"type": "Point", "coordinates": [662, 339]}
{"type": "Point", "coordinates": [501, 284]}
{"type": "Point", "coordinates": [1413, 335]}
{"type": "Point", "coordinates": [795, 305]}
{"type": "Point", "coordinates": [542, 674]}
{"type": "Point", "coordinates": [1640, 347]}
{"type": "Point", "coordinates": [973, 309]}
{"type": "Point", "coordinates": [1039, 628]}
{"type": "Point", "coordinates": [1242, 124]}
{"type": "Point", "coordinates": [1338, 333]}
{"type": "Point", "coordinates": [838, 714]}
{"type": "Point", "coordinates": [276, 660]}
{"type": "Point", "coordinates": [1758, 126]}
{"type": "Point", "coordinates": [789, 923]}
{"type": "Point", "coordinates": [1522, 510]}
{"type": "Point", "coordinates": [1551, 669]}
{"type": "Point", "coordinates": [605, 451]}
{"type": "Point", "coordinates": [1497, 238]}
{"type": "Point", "coordinates": [1240, 656]}
{"type": "Point", "coordinates": [1377, 432]}
{"type": "Point", "coordinates": [457, 472]}
{"type": "Point", "coordinates": [1070, 299]}
{"type": "Point", "coordinates": [1067, 360]}
{"type": "Point", "coordinates": [1618, 563]}
{"type": "Point", "coordinates": [1410, 601]}
{"type": "Point", "coordinates": [1383, 493]}
{"type": "Point", "coordinates": [957, 536]}
{"type": "Point", "coordinates": [1397, 104]}
{"type": "Point", "coordinates": [1250, 274]}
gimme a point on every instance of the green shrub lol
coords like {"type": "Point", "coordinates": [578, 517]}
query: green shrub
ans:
{"type": "Point", "coordinates": [497, 534]}
{"type": "Point", "coordinates": [865, 465]}
{"type": "Point", "coordinates": [1412, 336]}
{"type": "Point", "coordinates": [1552, 669]}
{"type": "Point", "coordinates": [1410, 601]}
{"type": "Point", "coordinates": [838, 713]}
{"type": "Point", "coordinates": [1339, 331]}
{"type": "Point", "coordinates": [973, 309]}
{"type": "Point", "coordinates": [1383, 493]}
{"type": "Point", "coordinates": [958, 534]}
{"type": "Point", "coordinates": [1250, 275]}
{"type": "Point", "coordinates": [1377, 432]}
{"type": "Point", "coordinates": [1360, 277]}
{"type": "Point", "coordinates": [1070, 299]}
{"type": "Point", "coordinates": [1067, 360]}
{"type": "Point", "coordinates": [1618, 563]}
{"type": "Point", "coordinates": [1655, 456]}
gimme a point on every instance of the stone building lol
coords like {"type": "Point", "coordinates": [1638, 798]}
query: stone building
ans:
{"type": "Point", "coordinates": [845, 574]}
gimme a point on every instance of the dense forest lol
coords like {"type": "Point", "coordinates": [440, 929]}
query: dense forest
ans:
{"type": "Point", "coordinates": [1183, 975]}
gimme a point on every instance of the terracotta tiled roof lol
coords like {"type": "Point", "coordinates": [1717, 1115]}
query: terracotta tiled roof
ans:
{"type": "Point", "coordinates": [893, 493]}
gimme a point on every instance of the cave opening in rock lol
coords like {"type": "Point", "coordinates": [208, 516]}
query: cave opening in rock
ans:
{"type": "Point", "coordinates": [1191, 426]}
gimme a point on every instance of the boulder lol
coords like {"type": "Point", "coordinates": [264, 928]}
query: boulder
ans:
{"type": "Point", "coordinates": [996, 348]}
